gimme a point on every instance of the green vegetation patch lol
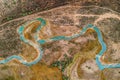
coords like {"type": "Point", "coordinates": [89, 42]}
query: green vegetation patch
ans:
{"type": "Point", "coordinates": [62, 64]}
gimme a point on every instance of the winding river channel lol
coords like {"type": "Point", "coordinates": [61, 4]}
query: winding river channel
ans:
{"type": "Point", "coordinates": [39, 49]}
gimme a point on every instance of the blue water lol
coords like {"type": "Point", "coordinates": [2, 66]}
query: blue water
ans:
{"type": "Point", "coordinates": [56, 38]}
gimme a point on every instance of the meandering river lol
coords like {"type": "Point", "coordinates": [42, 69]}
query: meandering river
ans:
{"type": "Point", "coordinates": [56, 38]}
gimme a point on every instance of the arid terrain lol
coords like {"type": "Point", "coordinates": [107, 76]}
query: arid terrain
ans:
{"type": "Point", "coordinates": [63, 60]}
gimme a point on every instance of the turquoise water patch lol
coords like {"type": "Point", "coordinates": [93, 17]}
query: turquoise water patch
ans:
{"type": "Point", "coordinates": [41, 41]}
{"type": "Point", "coordinates": [58, 38]}
{"type": "Point", "coordinates": [20, 30]}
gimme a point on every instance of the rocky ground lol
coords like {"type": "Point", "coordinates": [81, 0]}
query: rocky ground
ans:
{"type": "Point", "coordinates": [74, 59]}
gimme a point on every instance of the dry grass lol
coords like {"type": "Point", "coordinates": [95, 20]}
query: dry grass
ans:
{"type": "Point", "coordinates": [43, 72]}
{"type": "Point", "coordinates": [29, 52]}
{"type": "Point", "coordinates": [31, 28]}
